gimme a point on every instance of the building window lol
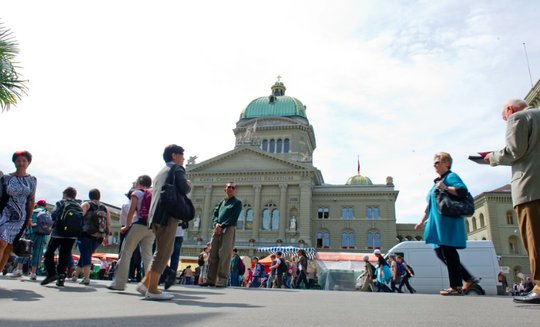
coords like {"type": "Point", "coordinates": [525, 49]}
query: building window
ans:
{"type": "Point", "coordinates": [249, 219]}
{"type": "Point", "coordinates": [270, 217]}
{"type": "Point", "coordinates": [272, 148]}
{"type": "Point", "coordinates": [372, 212]}
{"type": "Point", "coordinates": [482, 221]}
{"type": "Point", "coordinates": [286, 146]}
{"type": "Point", "coordinates": [323, 240]}
{"type": "Point", "coordinates": [467, 227]}
{"type": "Point", "coordinates": [347, 213]}
{"type": "Point", "coordinates": [275, 220]}
{"type": "Point", "coordinates": [347, 240]}
{"type": "Point", "coordinates": [322, 213]}
{"type": "Point", "coordinates": [474, 223]}
{"type": "Point", "coordinates": [509, 218]}
{"type": "Point", "coordinates": [265, 145]}
{"type": "Point", "coordinates": [279, 146]}
{"type": "Point", "coordinates": [374, 240]}
{"type": "Point", "coordinates": [513, 244]}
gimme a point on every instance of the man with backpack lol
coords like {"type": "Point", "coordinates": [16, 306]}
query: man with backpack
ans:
{"type": "Point", "coordinates": [279, 269]}
{"type": "Point", "coordinates": [138, 233]}
{"type": "Point", "coordinates": [96, 226]}
{"type": "Point", "coordinates": [237, 268]}
{"type": "Point", "coordinates": [68, 217]}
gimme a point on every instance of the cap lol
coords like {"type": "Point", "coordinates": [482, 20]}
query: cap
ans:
{"type": "Point", "coordinates": [42, 203]}
{"type": "Point", "coordinates": [377, 251]}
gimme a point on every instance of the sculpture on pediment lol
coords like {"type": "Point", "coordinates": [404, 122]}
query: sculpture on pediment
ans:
{"type": "Point", "coordinates": [191, 160]}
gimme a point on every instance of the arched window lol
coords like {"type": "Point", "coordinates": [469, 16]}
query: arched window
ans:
{"type": "Point", "coordinates": [399, 238]}
{"type": "Point", "coordinates": [482, 221]}
{"type": "Point", "coordinates": [265, 219]}
{"type": "Point", "coordinates": [474, 223]}
{"type": "Point", "coordinates": [268, 217]}
{"type": "Point", "coordinates": [249, 219]}
{"type": "Point", "coordinates": [347, 240]}
{"type": "Point", "coordinates": [275, 219]}
{"type": "Point", "coordinates": [467, 227]}
{"type": "Point", "coordinates": [513, 244]}
{"type": "Point", "coordinates": [509, 217]}
{"type": "Point", "coordinates": [265, 145]}
{"type": "Point", "coordinates": [323, 239]}
{"type": "Point", "coordinates": [286, 146]}
{"type": "Point", "coordinates": [272, 148]}
{"type": "Point", "coordinates": [242, 222]}
{"type": "Point", "coordinates": [374, 240]}
{"type": "Point", "coordinates": [279, 146]}
{"type": "Point", "coordinates": [418, 237]}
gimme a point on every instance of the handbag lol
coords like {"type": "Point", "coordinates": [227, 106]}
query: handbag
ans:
{"type": "Point", "coordinates": [175, 203]}
{"type": "Point", "coordinates": [22, 247]}
{"type": "Point", "coordinates": [453, 206]}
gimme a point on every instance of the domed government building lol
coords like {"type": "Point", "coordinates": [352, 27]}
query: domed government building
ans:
{"type": "Point", "coordinates": [286, 201]}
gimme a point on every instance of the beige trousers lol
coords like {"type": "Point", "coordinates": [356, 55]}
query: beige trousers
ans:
{"type": "Point", "coordinates": [529, 227]}
{"type": "Point", "coordinates": [219, 261]}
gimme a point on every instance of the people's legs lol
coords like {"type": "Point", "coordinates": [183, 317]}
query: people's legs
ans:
{"type": "Point", "coordinates": [213, 259]}
{"type": "Point", "coordinates": [164, 246]}
{"type": "Point", "coordinates": [135, 264]}
{"type": "Point", "coordinates": [54, 243]}
{"type": "Point", "coordinates": [225, 253]}
{"type": "Point", "coordinates": [37, 252]}
{"type": "Point", "coordinates": [5, 252]}
{"type": "Point", "coordinates": [175, 257]}
{"type": "Point", "coordinates": [145, 248]}
{"type": "Point", "coordinates": [131, 241]}
{"type": "Point", "coordinates": [64, 254]}
{"type": "Point", "coordinates": [529, 226]}
{"type": "Point", "coordinates": [453, 265]}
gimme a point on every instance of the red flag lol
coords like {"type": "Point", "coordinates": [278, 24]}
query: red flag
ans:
{"type": "Point", "coordinates": [358, 167]}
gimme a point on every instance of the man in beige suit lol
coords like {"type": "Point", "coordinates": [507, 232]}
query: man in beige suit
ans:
{"type": "Point", "coordinates": [522, 152]}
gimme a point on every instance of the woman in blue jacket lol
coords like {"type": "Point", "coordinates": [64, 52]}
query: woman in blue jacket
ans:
{"type": "Point", "coordinates": [447, 234]}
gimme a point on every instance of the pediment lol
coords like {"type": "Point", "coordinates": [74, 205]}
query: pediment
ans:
{"type": "Point", "coordinates": [245, 159]}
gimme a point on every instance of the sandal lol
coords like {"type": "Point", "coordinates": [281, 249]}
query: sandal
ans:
{"type": "Point", "coordinates": [451, 291]}
{"type": "Point", "coordinates": [470, 283]}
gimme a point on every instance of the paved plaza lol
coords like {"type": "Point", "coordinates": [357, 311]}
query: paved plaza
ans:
{"type": "Point", "coordinates": [26, 303]}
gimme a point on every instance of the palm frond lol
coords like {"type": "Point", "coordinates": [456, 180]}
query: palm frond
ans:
{"type": "Point", "coordinates": [12, 87]}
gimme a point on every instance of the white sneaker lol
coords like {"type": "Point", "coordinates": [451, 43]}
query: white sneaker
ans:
{"type": "Point", "coordinates": [163, 296]}
{"type": "Point", "coordinates": [74, 278]}
{"type": "Point", "coordinates": [142, 289]}
{"type": "Point", "coordinates": [16, 273]}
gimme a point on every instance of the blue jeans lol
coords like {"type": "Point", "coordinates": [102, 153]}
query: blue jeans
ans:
{"type": "Point", "coordinates": [235, 278]}
{"type": "Point", "coordinates": [175, 256]}
{"type": "Point", "coordinates": [87, 246]}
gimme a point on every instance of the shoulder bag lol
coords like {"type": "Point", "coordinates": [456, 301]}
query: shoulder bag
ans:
{"type": "Point", "coordinates": [453, 206]}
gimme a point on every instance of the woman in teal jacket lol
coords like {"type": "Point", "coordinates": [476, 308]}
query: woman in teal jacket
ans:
{"type": "Point", "coordinates": [447, 234]}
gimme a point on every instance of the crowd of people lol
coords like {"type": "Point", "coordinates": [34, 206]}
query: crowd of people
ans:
{"type": "Point", "coordinates": [154, 224]}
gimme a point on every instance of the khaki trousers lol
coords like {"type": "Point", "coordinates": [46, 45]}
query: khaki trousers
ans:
{"type": "Point", "coordinates": [529, 227]}
{"type": "Point", "coordinates": [219, 261]}
{"type": "Point", "coordinates": [165, 236]}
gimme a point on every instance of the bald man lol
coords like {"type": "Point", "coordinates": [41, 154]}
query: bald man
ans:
{"type": "Point", "coordinates": [522, 152]}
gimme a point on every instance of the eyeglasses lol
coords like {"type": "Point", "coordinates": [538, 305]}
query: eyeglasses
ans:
{"type": "Point", "coordinates": [231, 187]}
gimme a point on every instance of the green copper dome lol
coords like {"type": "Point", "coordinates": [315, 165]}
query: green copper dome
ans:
{"type": "Point", "coordinates": [359, 180]}
{"type": "Point", "coordinates": [277, 104]}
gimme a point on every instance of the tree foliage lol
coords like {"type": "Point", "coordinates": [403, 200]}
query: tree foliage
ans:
{"type": "Point", "coordinates": [12, 87]}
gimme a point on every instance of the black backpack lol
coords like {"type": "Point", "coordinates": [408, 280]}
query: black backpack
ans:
{"type": "Point", "coordinates": [95, 221]}
{"type": "Point", "coordinates": [282, 268]}
{"type": "Point", "coordinates": [69, 224]}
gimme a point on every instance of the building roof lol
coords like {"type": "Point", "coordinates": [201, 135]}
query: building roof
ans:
{"type": "Point", "coordinates": [505, 188]}
{"type": "Point", "coordinates": [359, 180]}
{"type": "Point", "coordinates": [276, 104]}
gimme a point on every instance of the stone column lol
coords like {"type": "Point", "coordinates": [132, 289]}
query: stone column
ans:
{"type": "Point", "coordinates": [304, 216]}
{"type": "Point", "coordinates": [206, 219]}
{"type": "Point", "coordinates": [282, 211]}
{"type": "Point", "coordinates": [256, 212]}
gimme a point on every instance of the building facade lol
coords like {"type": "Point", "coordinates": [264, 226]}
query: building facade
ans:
{"type": "Point", "coordinates": [285, 198]}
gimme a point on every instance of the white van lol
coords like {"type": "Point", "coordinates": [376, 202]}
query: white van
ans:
{"type": "Point", "coordinates": [431, 275]}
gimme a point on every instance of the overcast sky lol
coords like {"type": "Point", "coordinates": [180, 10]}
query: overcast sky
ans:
{"type": "Point", "coordinates": [393, 82]}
